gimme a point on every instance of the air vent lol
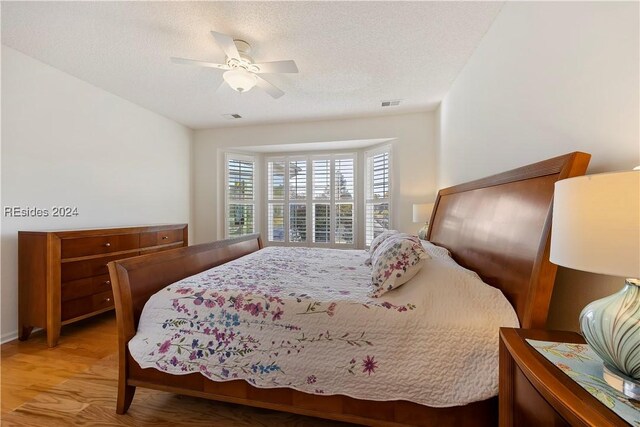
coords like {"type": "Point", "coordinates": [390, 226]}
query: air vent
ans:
{"type": "Point", "coordinates": [390, 103]}
{"type": "Point", "coordinates": [232, 116]}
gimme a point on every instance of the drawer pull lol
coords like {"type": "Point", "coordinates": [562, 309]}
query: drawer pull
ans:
{"type": "Point", "coordinates": [107, 282]}
{"type": "Point", "coordinates": [107, 300]}
{"type": "Point", "coordinates": [107, 245]}
{"type": "Point", "coordinates": [165, 237]}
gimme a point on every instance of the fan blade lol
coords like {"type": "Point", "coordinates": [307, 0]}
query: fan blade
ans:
{"type": "Point", "coordinates": [200, 63]}
{"type": "Point", "coordinates": [268, 87]}
{"type": "Point", "coordinates": [227, 44]}
{"type": "Point", "coordinates": [278, 67]}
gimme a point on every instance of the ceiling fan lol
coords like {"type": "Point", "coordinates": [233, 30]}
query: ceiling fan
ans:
{"type": "Point", "coordinates": [241, 72]}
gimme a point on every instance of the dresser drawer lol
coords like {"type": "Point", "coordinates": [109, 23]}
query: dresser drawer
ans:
{"type": "Point", "coordinates": [87, 286]}
{"type": "Point", "coordinates": [165, 237]}
{"type": "Point", "coordinates": [86, 305]}
{"type": "Point", "coordinates": [83, 246]}
{"type": "Point", "coordinates": [88, 268]}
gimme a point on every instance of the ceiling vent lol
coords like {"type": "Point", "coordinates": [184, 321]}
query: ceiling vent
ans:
{"type": "Point", "coordinates": [390, 103]}
{"type": "Point", "coordinates": [232, 116]}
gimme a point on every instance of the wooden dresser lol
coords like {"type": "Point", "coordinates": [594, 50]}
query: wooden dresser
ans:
{"type": "Point", "coordinates": [63, 275]}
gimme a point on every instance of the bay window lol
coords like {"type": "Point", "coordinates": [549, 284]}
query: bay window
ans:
{"type": "Point", "coordinates": [323, 200]}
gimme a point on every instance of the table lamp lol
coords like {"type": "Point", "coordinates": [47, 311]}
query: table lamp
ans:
{"type": "Point", "coordinates": [422, 215]}
{"type": "Point", "coordinates": [596, 228]}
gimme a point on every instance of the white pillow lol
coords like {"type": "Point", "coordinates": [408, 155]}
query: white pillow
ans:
{"type": "Point", "coordinates": [435, 250]}
{"type": "Point", "coordinates": [395, 262]}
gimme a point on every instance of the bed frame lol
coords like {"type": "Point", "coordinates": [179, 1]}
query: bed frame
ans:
{"type": "Point", "coordinates": [497, 226]}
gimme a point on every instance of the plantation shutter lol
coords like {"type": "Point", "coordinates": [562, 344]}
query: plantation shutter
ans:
{"type": "Point", "coordinates": [378, 193]}
{"type": "Point", "coordinates": [240, 195]}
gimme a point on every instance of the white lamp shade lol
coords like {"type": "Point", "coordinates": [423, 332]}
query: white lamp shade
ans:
{"type": "Point", "coordinates": [240, 79]}
{"type": "Point", "coordinates": [596, 224]}
{"type": "Point", "coordinates": [422, 212]}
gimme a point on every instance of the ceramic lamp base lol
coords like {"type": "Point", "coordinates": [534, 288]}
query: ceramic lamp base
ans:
{"type": "Point", "coordinates": [611, 327]}
{"type": "Point", "coordinates": [619, 381]}
{"type": "Point", "coordinates": [422, 233]}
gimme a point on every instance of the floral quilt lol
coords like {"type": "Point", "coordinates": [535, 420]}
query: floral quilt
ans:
{"type": "Point", "coordinates": [302, 318]}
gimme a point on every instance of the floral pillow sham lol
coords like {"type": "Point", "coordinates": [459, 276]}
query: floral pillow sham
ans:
{"type": "Point", "coordinates": [395, 261]}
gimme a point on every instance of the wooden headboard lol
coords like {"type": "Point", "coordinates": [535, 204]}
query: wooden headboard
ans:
{"type": "Point", "coordinates": [500, 226]}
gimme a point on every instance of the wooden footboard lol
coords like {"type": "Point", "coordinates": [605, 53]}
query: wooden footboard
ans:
{"type": "Point", "coordinates": [151, 273]}
{"type": "Point", "coordinates": [398, 413]}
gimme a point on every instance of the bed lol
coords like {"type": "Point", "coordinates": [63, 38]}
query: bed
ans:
{"type": "Point", "coordinates": [497, 227]}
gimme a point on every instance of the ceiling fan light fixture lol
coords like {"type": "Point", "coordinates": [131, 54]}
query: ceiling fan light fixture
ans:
{"type": "Point", "coordinates": [240, 79]}
{"type": "Point", "coordinates": [241, 73]}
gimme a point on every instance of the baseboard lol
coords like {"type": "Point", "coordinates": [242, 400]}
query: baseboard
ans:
{"type": "Point", "coordinates": [11, 336]}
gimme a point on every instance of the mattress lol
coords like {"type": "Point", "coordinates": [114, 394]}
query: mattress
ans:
{"type": "Point", "coordinates": [301, 318]}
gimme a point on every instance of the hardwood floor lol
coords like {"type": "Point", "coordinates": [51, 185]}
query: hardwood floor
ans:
{"type": "Point", "coordinates": [75, 383]}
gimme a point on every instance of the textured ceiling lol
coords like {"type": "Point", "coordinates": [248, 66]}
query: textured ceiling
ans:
{"type": "Point", "coordinates": [351, 55]}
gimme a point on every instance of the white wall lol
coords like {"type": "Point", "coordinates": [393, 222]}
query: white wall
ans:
{"type": "Point", "coordinates": [66, 142]}
{"type": "Point", "coordinates": [414, 153]}
{"type": "Point", "coordinates": [548, 78]}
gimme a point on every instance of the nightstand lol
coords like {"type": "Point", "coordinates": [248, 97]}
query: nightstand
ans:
{"type": "Point", "coordinates": [533, 392]}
